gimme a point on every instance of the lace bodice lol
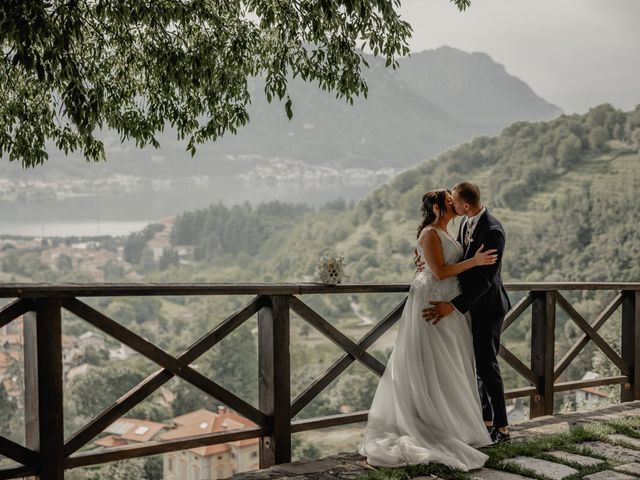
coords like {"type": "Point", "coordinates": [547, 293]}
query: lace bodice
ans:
{"type": "Point", "coordinates": [451, 249]}
{"type": "Point", "coordinates": [452, 252]}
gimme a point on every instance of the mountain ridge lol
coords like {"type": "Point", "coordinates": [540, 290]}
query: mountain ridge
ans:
{"type": "Point", "coordinates": [403, 120]}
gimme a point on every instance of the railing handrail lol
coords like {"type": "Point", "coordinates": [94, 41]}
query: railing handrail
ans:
{"type": "Point", "coordinates": [58, 290]}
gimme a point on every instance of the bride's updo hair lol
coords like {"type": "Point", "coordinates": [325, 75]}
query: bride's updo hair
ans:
{"type": "Point", "coordinates": [429, 199]}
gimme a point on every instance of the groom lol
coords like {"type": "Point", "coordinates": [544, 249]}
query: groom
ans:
{"type": "Point", "coordinates": [485, 298]}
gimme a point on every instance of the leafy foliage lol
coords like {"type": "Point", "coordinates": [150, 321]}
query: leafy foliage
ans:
{"type": "Point", "coordinates": [7, 407]}
{"type": "Point", "coordinates": [137, 241]}
{"type": "Point", "coordinates": [70, 69]}
{"type": "Point", "coordinates": [99, 387]}
{"type": "Point", "coordinates": [242, 228]}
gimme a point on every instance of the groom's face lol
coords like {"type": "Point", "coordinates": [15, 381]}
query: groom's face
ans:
{"type": "Point", "coordinates": [459, 205]}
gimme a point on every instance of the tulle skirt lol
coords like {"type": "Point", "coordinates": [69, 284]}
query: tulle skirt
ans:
{"type": "Point", "coordinates": [427, 408]}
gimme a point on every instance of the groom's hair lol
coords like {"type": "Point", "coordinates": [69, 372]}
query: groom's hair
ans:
{"type": "Point", "coordinates": [469, 192]}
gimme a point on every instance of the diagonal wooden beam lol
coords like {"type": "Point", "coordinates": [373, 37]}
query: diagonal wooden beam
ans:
{"type": "Point", "coordinates": [162, 358]}
{"type": "Point", "coordinates": [340, 365]}
{"type": "Point", "coordinates": [13, 471]}
{"type": "Point", "coordinates": [524, 303]}
{"type": "Point", "coordinates": [16, 308]}
{"type": "Point", "coordinates": [157, 379]}
{"type": "Point", "coordinates": [577, 347]}
{"type": "Point", "coordinates": [515, 363]}
{"type": "Point", "coordinates": [336, 336]}
{"type": "Point", "coordinates": [593, 335]}
{"type": "Point", "coordinates": [17, 452]}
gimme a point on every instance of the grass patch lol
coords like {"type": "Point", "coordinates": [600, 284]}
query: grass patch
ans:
{"type": "Point", "coordinates": [537, 447]}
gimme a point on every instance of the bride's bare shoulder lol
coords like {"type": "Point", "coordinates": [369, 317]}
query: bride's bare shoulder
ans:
{"type": "Point", "coordinates": [427, 232]}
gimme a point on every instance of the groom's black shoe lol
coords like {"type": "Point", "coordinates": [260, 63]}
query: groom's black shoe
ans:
{"type": "Point", "coordinates": [500, 437]}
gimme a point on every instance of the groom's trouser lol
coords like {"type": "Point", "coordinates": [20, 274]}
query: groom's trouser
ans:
{"type": "Point", "coordinates": [486, 344]}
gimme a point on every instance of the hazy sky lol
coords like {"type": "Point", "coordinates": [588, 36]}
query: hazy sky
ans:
{"type": "Point", "coordinates": [574, 53]}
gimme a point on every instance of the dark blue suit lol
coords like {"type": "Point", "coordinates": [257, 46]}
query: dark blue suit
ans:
{"type": "Point", "coordinates": [483, 295]}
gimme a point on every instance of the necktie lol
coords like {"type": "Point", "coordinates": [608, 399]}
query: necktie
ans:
{"type": "Point", "coordinates": [467, 236]}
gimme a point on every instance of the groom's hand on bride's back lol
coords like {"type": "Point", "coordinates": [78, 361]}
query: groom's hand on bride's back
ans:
{"type": "Point", "coordinates": [417, 260]}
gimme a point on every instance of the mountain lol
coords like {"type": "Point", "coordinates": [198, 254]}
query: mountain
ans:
{"type": "Point", "coordinates": [472, 87]}
{"type": "Point", "coordinates": [434, 100]}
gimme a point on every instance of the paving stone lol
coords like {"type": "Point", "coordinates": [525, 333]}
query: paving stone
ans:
{"type": "Point", "coordinates": [612, 452]}
{"type": "Point", "coordinates": [630, 468]}
{"type": "Point", "coordinates": [305, 468]}
{"type": "Point", "coordinates": [259, 475]}
{"type": "Point", "coordinates": [608, 475]}
{"type": "Point", "coordinates": [547, 429]}
{"type": "Point", "coordinates": [634, 442]}
{"type": "Point", "coordinates": [490, 474]}
{"type": "Point", "coordinates": [581, 460]}
{"type": "Point", "coordinates": [551, 470]}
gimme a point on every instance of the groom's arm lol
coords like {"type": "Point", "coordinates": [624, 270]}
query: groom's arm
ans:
{"type": "Point", "coordinates": [483, 276]}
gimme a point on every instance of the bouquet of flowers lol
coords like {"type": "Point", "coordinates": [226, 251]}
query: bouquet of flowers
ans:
{"type": "Point", "coordinates": [330, 269]}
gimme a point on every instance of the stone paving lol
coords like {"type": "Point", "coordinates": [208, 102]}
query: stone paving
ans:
{"type": "Point", "coordinates": [622, 449]}
{"type": "Point", "coordinates": [550, 470]}
{"type": "Point", "coordinates": [580, 460]}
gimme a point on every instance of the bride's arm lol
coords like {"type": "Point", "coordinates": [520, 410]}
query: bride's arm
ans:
{"type": "Point", "coordinates": [432, 248]}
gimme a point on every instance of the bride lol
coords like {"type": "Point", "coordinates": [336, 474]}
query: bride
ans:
{"type": "Point", "coordinates": [427, 407]}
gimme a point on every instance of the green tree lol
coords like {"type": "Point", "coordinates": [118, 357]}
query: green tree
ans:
{"type": "Point", "coordinates": [7, 409]}
{"type": "Point", "coordinates": [63, 263]}
{"type": "Point", "coordinates": [133, 469]}
{"type": "Point", "coordinates": [113, 271]}
{"type": "Point", "coordinates": [95, 356]}
{"type": "Point", "coordinates": [147, 261]}
{"type": "Point", "coordinates": [153, 467]}
{"type": "Point", "coordinates": [99, 387]}
{"type": "Point", "coordinates": [71, 68]}
{"type": "Point", "coordinates": [168, 258]}
{"type": "Point", "coordinates": [189, 398]}
{"type": "Point", "coordinates": [10, 261]}
{"type": "Point", "coordinates": [569, 150]}
{"type": "Point", "coordinates": [598, 137]}
{"type": "Point", "coordinates": [232, 364]}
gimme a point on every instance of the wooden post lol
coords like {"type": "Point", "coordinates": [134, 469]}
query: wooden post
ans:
{"type": "Point", "coordinates": [543, 324]}
{"type": "Point", "coordinates": [274, 379]}
{"type": "Point", "coordinates": [631, 344]}
{"type": "Point", "coordinates": [43, 387]}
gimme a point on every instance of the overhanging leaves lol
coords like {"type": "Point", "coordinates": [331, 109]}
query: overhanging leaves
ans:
{"type": "Point", "coordinates": [73, 67]}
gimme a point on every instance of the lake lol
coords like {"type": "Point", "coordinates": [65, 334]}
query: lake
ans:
{"type": "Point", "coordinates": [64, 229]}
{"type": "Point", "coordinates": [120, 213]}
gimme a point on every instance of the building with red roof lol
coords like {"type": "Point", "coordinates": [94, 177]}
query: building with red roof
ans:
{"type": "Point", "coordinates": [214, 461]}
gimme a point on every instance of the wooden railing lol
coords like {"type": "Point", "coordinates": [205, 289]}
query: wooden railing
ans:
{"type": "Point", "coordinates": [47, 454]}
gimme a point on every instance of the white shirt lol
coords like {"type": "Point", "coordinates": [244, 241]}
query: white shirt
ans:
{"type": "Point", "coordinates": [471, 224]}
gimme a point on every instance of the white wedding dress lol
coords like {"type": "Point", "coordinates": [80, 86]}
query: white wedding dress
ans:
{"type": "Point", "coordinates": [427, 408]}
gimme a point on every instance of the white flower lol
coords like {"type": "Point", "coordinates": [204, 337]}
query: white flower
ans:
{"type": "Point", "coordinates": [330, 269]}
